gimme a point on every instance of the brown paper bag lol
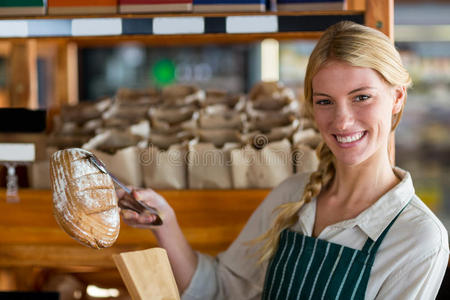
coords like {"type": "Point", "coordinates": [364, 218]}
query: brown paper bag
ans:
{"type": "Point", "coordinates": [223, 119]}
{"type": "Point", "coordinates": [306, 123]}
{"type": "Point", "coordinates": [305, 159]}
{"type": "Point", "coordinates": [84, 111]}
{"type": "Point", "coordinates": [133, 97]}
{"type": "Point", "coordinates": [266, 168]}
{"type": "Point", "coordinates": [270, 96]}
{"type": "Point", "coordinates": [67, 141]}
{"type": "Point", "coordinates": [112, 140]}
{"type": "Point", "coordinates": [162, 127]}
{"type": "Point", "coordinates": [267, 121]}
{"type": "Point", "coordinates": [124, 164]}
{"type": "Point", "coordinates": [219, 137]}
{"type": "Point", "coordinates": [172, 115]}
{"type": "Point", "coordinates": [308, 137]}
{"type": "Point", "coordinates": [217, 98]}
{"type": "Point", "coordinates": [260, 139]}
{"type": "Point", "coordinates": [117, 111]}
{"type": "Point", "coordinates": [164, 141]}
{"type": "Point", "coordinates": [39, 170]}
{"type": "Point", "coordinates": [165, 169]}
{"type": "Point", "coordinates": [180, 95]}
{"type": "Point", "coordinates": [209, 167]}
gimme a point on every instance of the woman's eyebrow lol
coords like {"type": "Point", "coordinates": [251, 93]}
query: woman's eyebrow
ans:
{"type": "Point", "coordinates": [361, 89]}
{"type": "Point", "coordinates": [321, 94]}
{"type": "Point", "coordinates": [351, 92]}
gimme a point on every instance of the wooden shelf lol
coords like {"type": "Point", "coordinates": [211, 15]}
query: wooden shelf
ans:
{"type": "Point", "coordinates": [210, 219]}
{"type": "Point", "coordinates": [207, 28]}
{"type": "Point", "coordinates": [185, 14]}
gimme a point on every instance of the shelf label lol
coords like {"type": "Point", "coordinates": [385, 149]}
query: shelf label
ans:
{"type": "Point", "coordinates": [13, 28]}
{"type": "Point", "coordinates": [179, 25]}
{"type": "Point", "coordinates": [53, 27]}
{"type": "Point", "coordinates": [251, 24]}
{"type": "Point", "coordinates": [17, 152]}
{"type": "Point", "coordinates": [96, 26]}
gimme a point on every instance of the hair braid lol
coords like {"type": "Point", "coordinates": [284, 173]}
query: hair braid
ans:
{"type": "Point", "coordinates": [287, 213]}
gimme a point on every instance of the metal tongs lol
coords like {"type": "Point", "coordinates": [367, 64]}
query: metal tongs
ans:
{"type": "Point", "coordinates": [129, 202]}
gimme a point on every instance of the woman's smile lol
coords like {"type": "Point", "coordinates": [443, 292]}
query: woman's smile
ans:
{"type": "Point", "coordinates": [350, 139]}
{"type": "Point", "coordinates": [353, 109]}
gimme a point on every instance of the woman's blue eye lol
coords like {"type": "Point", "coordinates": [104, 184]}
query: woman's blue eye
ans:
{"type": "Point", "coordinates": [362, 97]}
{"type": "Point", "coordinates": [323, 102]}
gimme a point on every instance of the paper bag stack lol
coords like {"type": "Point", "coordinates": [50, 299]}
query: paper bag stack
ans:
{"type": "Point", "coordinates": [266, 159]}
{"type": "Point", "coordinates": [129, 108]}
{"type": "Point", "coordinates": [76, 124]}
{"type": "Point", "coordinates": [220, 126]}
{"type": "Point", "coordinates": [118, 150]}
{"type": "Point", "coordinates": [173, 123]}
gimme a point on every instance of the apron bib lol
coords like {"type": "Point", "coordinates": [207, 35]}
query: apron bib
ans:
{"type": "Point", "coordinates": [304, 268]}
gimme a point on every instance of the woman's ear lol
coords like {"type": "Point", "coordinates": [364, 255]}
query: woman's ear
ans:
{"type": "Point", "coordinates": [399, 99]}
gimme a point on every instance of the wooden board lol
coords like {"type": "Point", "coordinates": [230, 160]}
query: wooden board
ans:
{"type": "Point", "coordinates": [147, 274]}
{"type": "Point", "coordinates": [30, 236]}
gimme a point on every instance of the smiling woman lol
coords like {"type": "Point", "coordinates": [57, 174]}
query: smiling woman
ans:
{"type": "Point", "coordinates": [353, 109]}
{"type": "Point", "coordinates": [353, 229]}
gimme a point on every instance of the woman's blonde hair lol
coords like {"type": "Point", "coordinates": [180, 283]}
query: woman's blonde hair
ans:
{"type": "Point", "coordinates": [356, 45]}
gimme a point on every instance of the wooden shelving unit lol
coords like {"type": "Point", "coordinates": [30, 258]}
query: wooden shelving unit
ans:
{"type": "Point", "coordinates": [213, 28]}
{"type": "Point", "coordinates": [30, 238]}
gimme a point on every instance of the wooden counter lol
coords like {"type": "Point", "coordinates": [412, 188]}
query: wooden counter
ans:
{"type": "Point", "coordinates": [29, 234]}
{"type": "Point", "coordinates": [31, 238]}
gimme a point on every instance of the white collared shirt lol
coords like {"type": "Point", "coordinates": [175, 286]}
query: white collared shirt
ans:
{"type": "Point", "coordinates": [410, 263]}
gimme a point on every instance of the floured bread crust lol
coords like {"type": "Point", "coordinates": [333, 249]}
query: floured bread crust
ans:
{"type": "Point", "coordinates": [84, 199]}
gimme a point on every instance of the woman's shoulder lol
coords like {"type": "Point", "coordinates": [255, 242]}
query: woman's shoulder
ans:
{"type": "Point", "coordinates": [421, 225]}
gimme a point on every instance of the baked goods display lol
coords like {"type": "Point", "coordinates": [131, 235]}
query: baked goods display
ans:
{"type": "Point", "coordinates": [84, 199]}
{"type": "Point", "coordinates": [183, 137]}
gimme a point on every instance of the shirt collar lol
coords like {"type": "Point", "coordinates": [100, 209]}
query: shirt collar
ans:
{"type": "Point", "coordinates": [374, 219]}
{"type": "Point", "coordinates": [377, 217]}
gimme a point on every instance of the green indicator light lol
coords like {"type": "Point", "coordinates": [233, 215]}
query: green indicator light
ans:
{"type": "Point", "coordinates": [163, 72]}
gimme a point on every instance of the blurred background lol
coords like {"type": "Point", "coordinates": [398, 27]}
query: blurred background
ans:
{"type": "Point", "coordinates": [88, 70]}
{"type": "Point", "coordinates": [422, 35]}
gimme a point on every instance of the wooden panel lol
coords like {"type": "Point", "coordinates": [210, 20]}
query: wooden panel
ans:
{"type": "Point", "coordinates": [380, 15]}
{"type": "Point", "coordinates": [147, 274]}
{"type": "Point", "coordinates": [210, 220]}
{"type": "Point", "coordinates": [356, 5]}
{"type": "Point", "coordinates": [190, 14]}
{"type": "Point", "coordinates": [23, 74]}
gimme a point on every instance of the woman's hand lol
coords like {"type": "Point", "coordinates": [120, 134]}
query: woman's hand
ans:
{"type": "Point", "coordinates": [145, 220]}
{"type": "Point", "coordinates": [169, 235]}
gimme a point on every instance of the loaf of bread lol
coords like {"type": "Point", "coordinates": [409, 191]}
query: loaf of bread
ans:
{"type": "Point", "coordinates": [84, 199]}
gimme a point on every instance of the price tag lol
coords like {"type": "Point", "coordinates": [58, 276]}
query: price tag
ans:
{"type": "Point", "coordinates": [251, 24]}
{"type": "Point", "coordinates": [13, 28]}
{"type": "Point", "coordinates": [179, 25]}
{"type": "Point", "coordinates": [97, 26]}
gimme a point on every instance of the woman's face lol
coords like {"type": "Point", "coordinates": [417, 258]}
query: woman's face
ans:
{"type": "Point", "coordinates": [353, 108]}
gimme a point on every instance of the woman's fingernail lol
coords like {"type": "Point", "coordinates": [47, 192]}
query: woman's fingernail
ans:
{"type": "Point", "coordinates": [137, 195]}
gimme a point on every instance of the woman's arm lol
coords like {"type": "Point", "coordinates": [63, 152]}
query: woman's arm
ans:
{"type": "Point", "coordinates": [419, 279]}
{"type": "Point", "coordinates": [233, 274]}
{"type": "Point", "coordinates": [169, 235]}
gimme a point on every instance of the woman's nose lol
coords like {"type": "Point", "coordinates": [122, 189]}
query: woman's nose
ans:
{"type": "Point", "coordinates": [344, 117]}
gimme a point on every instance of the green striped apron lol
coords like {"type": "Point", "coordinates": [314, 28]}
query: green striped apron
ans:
{"type": "Point", "coordinates": [309, 268]}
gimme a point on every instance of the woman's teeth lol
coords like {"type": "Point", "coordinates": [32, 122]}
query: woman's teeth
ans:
{"type": "Point", "coordinates": [349, 139]}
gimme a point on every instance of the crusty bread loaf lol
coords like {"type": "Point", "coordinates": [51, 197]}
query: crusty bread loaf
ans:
{"type": "Point", "coordinates": [84, 199]}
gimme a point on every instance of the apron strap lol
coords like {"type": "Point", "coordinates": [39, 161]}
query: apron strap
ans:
{"type": "Point", "coordinates": [371, 247]}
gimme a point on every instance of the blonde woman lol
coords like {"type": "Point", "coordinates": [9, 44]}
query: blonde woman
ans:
{"type": "Point", "coordinates": [354, 229]}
